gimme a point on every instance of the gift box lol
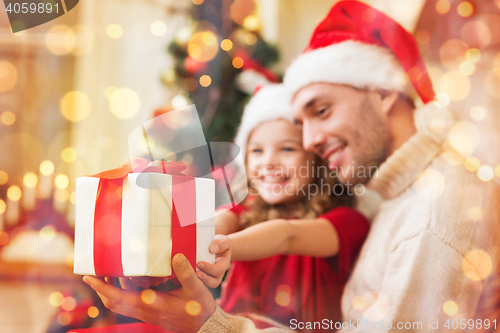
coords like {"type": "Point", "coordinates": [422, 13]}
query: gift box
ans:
{"type": "Point", "coordinates": [132, 220]}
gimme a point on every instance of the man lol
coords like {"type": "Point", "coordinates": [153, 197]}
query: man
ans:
{"type": "Point", "coordinates": [430, 260]}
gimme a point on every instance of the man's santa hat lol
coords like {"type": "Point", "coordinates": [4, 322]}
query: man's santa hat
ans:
{"type": "Point", "coordinates": [359, 46]}
{"type": "Point", "coordinates": [269, 102]}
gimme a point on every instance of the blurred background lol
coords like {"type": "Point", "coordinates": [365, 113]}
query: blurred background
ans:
{"type": "Point", "coordinates": [72, 90]}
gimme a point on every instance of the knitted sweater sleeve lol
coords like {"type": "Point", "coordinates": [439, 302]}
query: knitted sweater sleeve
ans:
{"type": "Point", "coordinates": [221, 322]}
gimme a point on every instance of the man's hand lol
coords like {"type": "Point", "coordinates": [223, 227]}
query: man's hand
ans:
{"type": "Point", "coordinates": [181, 310]}
{"type": "Point", "coordinates": [212, 274]}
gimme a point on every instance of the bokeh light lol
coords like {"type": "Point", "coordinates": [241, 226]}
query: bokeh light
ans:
{"type": "Point", "coordinates": [72, 197]}
{"type": "Point", "coordinates": [3, 206]}
{"type": "Point", "coordinates": [238, 62]}
{"type": "Point", "coordinates": [485, 173]}
{"type": "Point", "coordinates": [46, 168]}
{"type": "Point", "coordinates": [182, 35]}
{"type": "Point", "coordinates": [61, 195]}
{"type": "Point", "coordinates": [4, 177]}
{"type": "Point", "coordinates": [84, 40]}
{"type": "Point", "coordinates": [283, 295]}
{"type": "Point", "coordinates": [251, 23]}
{"type": "Point", "coordinates": [8, 118]}
{"type": "Point", "coordinates": [251, 39]}
{"type": "Point", "coordinates": [452, 53]}
{"type": "Point", "coordinates": [443, 7]}
{"type": "Point", "coordinates": [464, 137]}
{"type": "Point", "coordinates": [69, 154]}
{"type": "Point", "coordinates": [202, 46]}
{"type": "Point", "coordinates": [492, 84]}
{"type": "Point", "coordinates": [450, 308]}
{"type": "Point", "coordinates": [8, 75]}
{"type": "Point", "coordinates": [30, 180]}
{"type": "Point", "coordinates": [158, 28]}
{"type": "Point", "coordinates": [359, 303]}
{"type": "Point", "coordinates": [47, 233]}
{"type": "Point", "coordinates": [226, 44]}
{"type": "Point", "coordinates": [473, 55]}
{"type": "Point", "coordinates": [205, 80]}
{"type": "Point", "coordinates": [124, 103]}
{"type": "Point", "coordinates": [455, 85]}
{"type": "Point", "coordinates": [193, 308]}
{"type": "Point", "coordinates": [198, 2]}
{"type": "Point", "coordinates": [60, 39]}
{"type": "Point", "coordinates": [61, 181]}
{"type": "Point", "coordinates": [477, 265]}
{"type": "Point", "coordinates": [465, 9]}
{"type": "Point", "coordinates": [476, 34]}
{"type": "Point", "coordinates": [467, 68]}
{"type": "Point", "coordinates": [472, 164]}
{"type": "Point", "coordinates": [477, 113]}
{"type": "Point", "coordinates": [64, 318]}
{"type": "Point", "coordinates": [56, 298]}
{"type": "Point", "coordinates": [475, 214]}
{"type": "Point", "coordinates": [423, 37]}
{"type": "Point", "coordinates": [114, 31]}
{"type": "Point", "coordinates": [93, 312]}
{"type": "Point", "coordinates": [75, 106]}
{"type": "Point", "coordinates": [179, 101]}
{"type": "Point", "coordinates": [242, 9]}
{"type": "Point", "coordinates": [14, 193]}
{"type": "Point", "coordinates": [497, 170]}
{"type": "Point", "coordinates": [148, 296]}
{"type": "Point", "coordinates": [68, 303]}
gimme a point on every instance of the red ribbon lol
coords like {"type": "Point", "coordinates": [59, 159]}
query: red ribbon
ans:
{"type": "Point", "coordinates": [108, 214]}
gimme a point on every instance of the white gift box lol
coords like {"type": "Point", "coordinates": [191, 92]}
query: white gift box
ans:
{"type": "Point", "coordinates": [146, 224]}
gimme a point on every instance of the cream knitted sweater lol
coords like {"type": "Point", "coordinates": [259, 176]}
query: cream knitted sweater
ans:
{"type": "Point", "coordinates": [432, 252]}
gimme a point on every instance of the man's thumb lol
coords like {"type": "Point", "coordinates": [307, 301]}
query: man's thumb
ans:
{"type": "Point", "coordinates": [185, 273]}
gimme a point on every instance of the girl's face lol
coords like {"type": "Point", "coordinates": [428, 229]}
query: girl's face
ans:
{"type": "Point", "coordinates": [279, 167]}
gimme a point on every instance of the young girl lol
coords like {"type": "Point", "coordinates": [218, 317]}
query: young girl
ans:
{"type": "Point", "coordinates": [293, 241]}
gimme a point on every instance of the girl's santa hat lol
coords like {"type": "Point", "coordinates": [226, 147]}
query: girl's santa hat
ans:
{"type": "Point", "coordinates": [359, 46]}
{"type": "Point", "coordinates": [270, 102]}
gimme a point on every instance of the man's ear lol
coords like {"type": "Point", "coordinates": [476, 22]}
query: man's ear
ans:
{"type": "Point", "coordinates": [387, 99]}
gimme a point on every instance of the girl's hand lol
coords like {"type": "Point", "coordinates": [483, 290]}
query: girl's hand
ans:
{"type": "Point", "coordinates": [212, 274]}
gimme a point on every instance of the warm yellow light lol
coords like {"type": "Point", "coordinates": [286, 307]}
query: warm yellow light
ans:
{"type": "Point", "coordinates": [226, 44]}
{"type": "Point", "coordinates": [8, 76]}
{"type": "Point", "coordinates": [443, 7]}
{"type": "Point", "coordinates": [251, 23]}
{"type": "Point", "coordinates": [114, 31]}
{"type": "Point", "coordinates": [477, 265]}
{"type": "Point", "coordinates": [60, 39]}
{"type": "Point", "coordinates": [465, 9]}
{"type": "Point", "coordinates": [193, 308]}
{"type": "Point", "coordinates": [124, 103]}
{"type": "Point", "coordinates": [8, 117]}
{"type": "Point", "coordinates": [359, 303]}
{"type": "Point", "coordinates": [475, 214]}
{"type": "Point", "coordinates": [497, 170]}
{"type": "Point", "coordinates": [250, 39]}
{"type": "Point", "coordinates": [56, 298]}
{"type": "Point", "coordinates": [3, 206]}
{"type": "Point", "coordinates": [179, 101]}
{"type": "Point", "coordinates": [202, 46]}
{"type": "Point", "coordinates": [198, 2]}
{"type": "Point", "coordinates": [30, 180]}
{"type": "Point", "coordinates": [452, 53]}
{"type": "Point", "coordinates": [450, 308]}
{"type": "Point", "coordinates": [283, 295]}
{"type": "Point", "coordinates": [69, 154]}
{"type": "Point", "coordinates": [467, 68]}
{"type": "Point", "coordinates": [4, 177]}
{"type": "Point", "coordinates": [72, 197]}
{"type": "Point", "coordinates": [47, 233]}
{"type": "Point", "coordinates": [61, 181]}
{"type": "Point", "coordinates": [148, 296]}
{"type": "Point", "coordinates": [485, 173]}
{"type": "Point", "coordinates": [477, 113]}
{"type": "Point", "coordinates": [61, 195]}
{"type": "Point", "coordinates": [84, 39]}
{"type": "Point", "coordinates": [109, 91]}
{"type": "Point", "coordinates": [93, 312]}
{"type": "Point", "coordinates": [205, 80]}
{"type": "Point", "coordinates": [158, 28]}
{"type": "Point", "coordinates": [14, 193]}
{"type": "Point", "coordinates": [473, 55]}
{"type": "Point", "coordinates": [238, 62]}
{"type": "Point", "coordinates": [472, 164]}
{"type": "Point", "coordinates": [75, 106]}
{"type": "Point", "coordinates": [423, 37]}
{"type": "Point", "coordinates": [46, 168]}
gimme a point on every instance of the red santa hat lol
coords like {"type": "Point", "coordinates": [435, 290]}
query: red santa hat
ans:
{"type": "Point", "coordinates": [269, 102]}
{"type": "Point", "coordinates": [361, 47]}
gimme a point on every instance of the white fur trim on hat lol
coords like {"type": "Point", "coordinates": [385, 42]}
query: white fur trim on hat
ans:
{"type": "Point", "coordinates": [357, 64]}
{"type": "Point", "coordinates": [271, 102]}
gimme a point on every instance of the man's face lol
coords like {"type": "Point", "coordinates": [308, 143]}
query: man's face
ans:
{"type": "Point", "coordinates": [345, 126]}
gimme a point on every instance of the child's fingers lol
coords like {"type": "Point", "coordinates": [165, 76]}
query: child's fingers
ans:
{"type": "Point", "coordinates": [216, 270]}
{"type": "Point", "coordinates": [126, 283]}
{"type": "Point", "coordinates": [208, 280]}
{"type": "Point", "coordinates": [136, 281]}
{"type": "Point", "coordinates": [145, 282]}
{"type": "Point", "coordinates": [220, 244]}
{"type": "Point", "coordinates": [162, 280]}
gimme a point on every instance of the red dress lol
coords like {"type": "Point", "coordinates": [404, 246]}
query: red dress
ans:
{"type": "Point", "coordinates": [300, 288]}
